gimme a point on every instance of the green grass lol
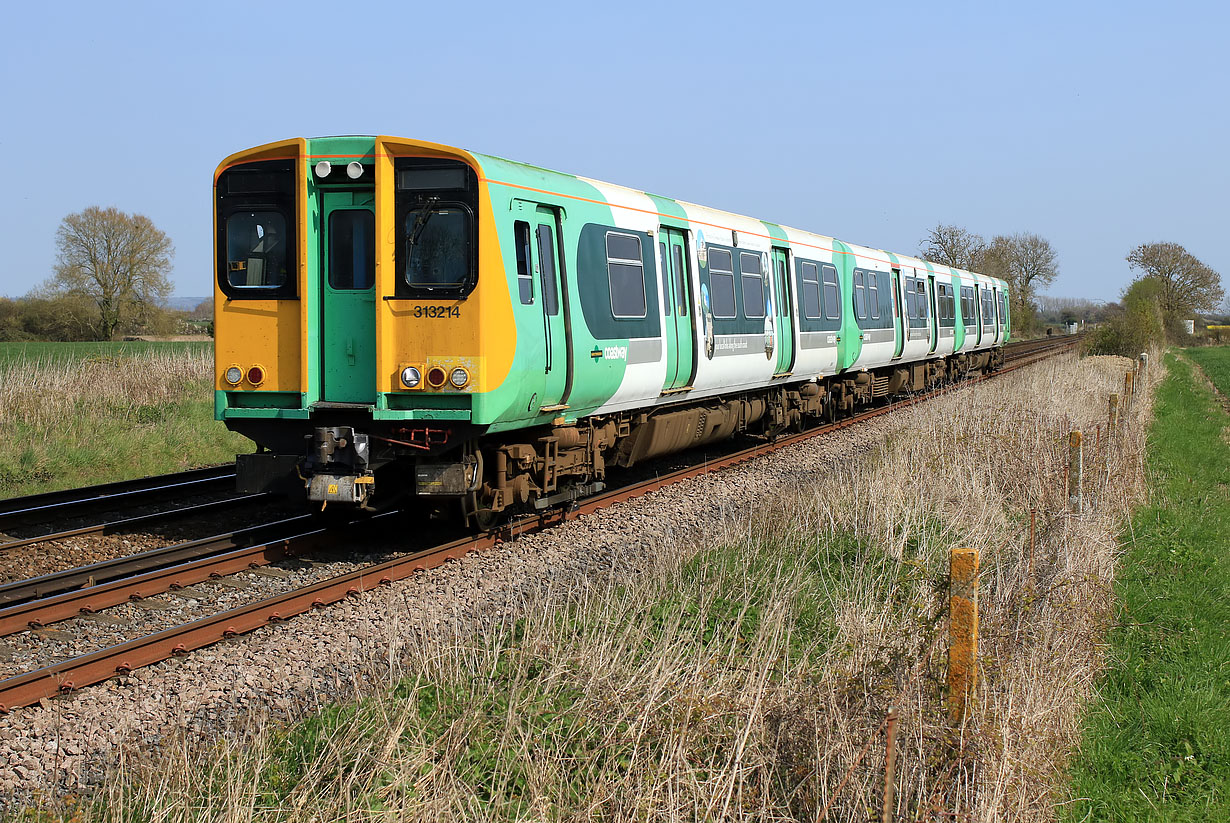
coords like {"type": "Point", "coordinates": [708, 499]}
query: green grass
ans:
{"type": "Point", "coordinates": [82, 414]}
{"type": "Point", "coordinates": [1215, 361]}
{"type": "Point", "coordinates": [68, 352]}
{"type": "Point", "coordinates": [1157, 746]}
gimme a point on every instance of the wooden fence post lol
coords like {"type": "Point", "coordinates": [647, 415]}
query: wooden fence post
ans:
{"type": "Point", "coordinates": [1112, 415]}
{"type": "Point", "coordinates": [890, 766]}
{"type": "Point", "coordinates": [1127, 390]}
{"type": "Point", "coordinates": [1076, 467]}
{"type": "Point", "coordinates": [963, 632]}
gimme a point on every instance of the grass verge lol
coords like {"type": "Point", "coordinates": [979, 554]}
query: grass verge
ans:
{"type": "Point", "coordinates": [741, 669]}
{"type": "Point", "coordinates": [74, 418]}
{"type": "Point", "coordinates": [1156, 747]}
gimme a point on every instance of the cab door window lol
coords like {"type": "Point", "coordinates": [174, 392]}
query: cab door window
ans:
{"type": "Point", "coordinates": [352, 263]}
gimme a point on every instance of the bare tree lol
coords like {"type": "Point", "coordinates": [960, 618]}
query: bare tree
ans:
{"type": "Point", "coordinates": [952, 246]}
{"type": "Point", "coordinates": [1186, 284]}
{"type": "Point", "coordinates": [115, 259]}
{"type": "Point", "coordinates": [1033, 262]}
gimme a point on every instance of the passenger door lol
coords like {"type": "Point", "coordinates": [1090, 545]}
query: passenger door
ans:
{"type": "Point", "coordinates": [934, 323]}
{"type": "Point", "coordinates": [550, 288]}
{"type": "Point", "coordinates": [783, 309]}
{"type": "Point", "coordinates": [348, 298]}
{"type": "Point", "coordinates": [678, 330]}
{"type": "Point", "coordinates": [899, 318]}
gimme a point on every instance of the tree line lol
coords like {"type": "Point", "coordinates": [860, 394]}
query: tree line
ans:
{"type": "Point", "coordinates": [110, 279]}
{"type": "Point", "coordinates": [1171, 285]}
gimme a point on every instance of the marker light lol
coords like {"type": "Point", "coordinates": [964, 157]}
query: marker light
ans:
{"type": "Point", "coordinates": [410, 377]}
{"type": "Point", "coordinates": [233, 375]}
{"type": "Point", "coordinates": [459, 377]}
{"type": "Point", "coordinates": [323, 168]}
{"type": "Point", "coordinates": [256, 375]}
{"type": "Point", "coordinates": [354, 170]}
{"type": "Point", "coordinates": [436, 377]}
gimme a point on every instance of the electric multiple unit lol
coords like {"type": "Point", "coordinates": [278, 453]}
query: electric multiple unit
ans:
{"type": "Point", "coordinates": [396, 317]}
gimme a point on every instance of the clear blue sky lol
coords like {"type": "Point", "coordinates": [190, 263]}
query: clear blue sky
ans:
{"type": "Point", "coordinates": [1098, 126]}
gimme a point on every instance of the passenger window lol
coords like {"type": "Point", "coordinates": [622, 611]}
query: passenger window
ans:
{"type": "Point", "coordinates": [860, 296]}
{"type": "Point", "coordinates": [810, 275]}
{"type": "Point", "coordinates": [721, 283]}
{"type": "Point", "coordinates": [832, 295]}
{"type": "Point", "coordinates": [626, 275]}
{"type": "Point", "coordinates": [753, 285]}
{"type": "Point", "coordinates": [525, 278]}
{"type": "Point", "coordinates": [873, 295]}
{"type": "Point", "coordinates": [546, 254]}
{"type": "Point", "coordinates": [256, 249]}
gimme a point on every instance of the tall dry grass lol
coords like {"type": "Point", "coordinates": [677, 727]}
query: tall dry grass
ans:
{"type": "Point", "coordinates": [746, 676]}
{"type": "Point", "coordinates": [47, 394]}
{"type": "Point", "coordinates": [73, 422]}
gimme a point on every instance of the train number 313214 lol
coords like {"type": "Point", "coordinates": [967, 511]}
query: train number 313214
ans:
{"type": "Point", "coordinates": [437, 312]}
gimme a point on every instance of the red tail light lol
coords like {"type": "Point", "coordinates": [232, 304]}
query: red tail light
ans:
{"type": "Point", "coordinates": [256, 375]}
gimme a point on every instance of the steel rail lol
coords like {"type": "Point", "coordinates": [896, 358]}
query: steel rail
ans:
{"type": "Point", "coordinates": [22, 510]}
{"type": "Point", "coordinates": [37, 614]}
{"type": "Point", "coordinates": [129, 523]}
{"type": "Point", "coordinates": [108, 570]}
{"type": "Point", "coordinates": [95, 667]}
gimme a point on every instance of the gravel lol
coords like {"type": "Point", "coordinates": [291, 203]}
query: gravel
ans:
{"type": "Point", "coordinates": [282, 671]}
{"type": "Point", "coordinates": [70, 552]}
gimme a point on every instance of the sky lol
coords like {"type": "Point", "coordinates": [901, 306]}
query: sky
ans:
{"type": "Point", "coordinates": [1099, 126]}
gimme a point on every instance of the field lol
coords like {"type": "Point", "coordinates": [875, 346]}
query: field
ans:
{"type": "Point", "coordinates": [1156, 747]}
{"type": "Point", "coordinates": [741, 669]}
{"type": "Point", "coordinates": [75, 414]}
{"type": "Point", "coordinates": [1214, 362]}
{"type": "Point", "coordinates": [35, 354]}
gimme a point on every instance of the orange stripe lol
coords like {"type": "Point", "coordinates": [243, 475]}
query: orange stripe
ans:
{"type": "Point", "coordinates": [673, 217]}
{"type": "Point", "coordinates": [604, 203]}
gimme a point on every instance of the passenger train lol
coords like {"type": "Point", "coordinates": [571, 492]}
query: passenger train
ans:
{"type": "Point", "coordinates": [401, 318]}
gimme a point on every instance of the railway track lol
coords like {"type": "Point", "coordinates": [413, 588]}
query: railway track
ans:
{"type": "Point", "coordinates": [33, 609]}
{"type": "Point", "coordinates": [49, 507]}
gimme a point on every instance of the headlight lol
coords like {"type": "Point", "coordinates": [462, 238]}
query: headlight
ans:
{"type": "Point", "coordinates": [459, 377]}
{"type": "Point", "coordinates": [410, 377]}
{"type": "Point", "coordinates": [354, 170]}
{"type": "Point", "coordinates": [233, 375]}
{"type": "Point", "coordinates": [323, 168]}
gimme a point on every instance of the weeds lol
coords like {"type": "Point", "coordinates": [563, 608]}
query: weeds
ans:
{"type": "Point", "coordinates": [744, 672]}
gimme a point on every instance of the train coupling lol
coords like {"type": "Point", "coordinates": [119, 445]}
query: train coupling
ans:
{"type": "Point", "coordinates": [337, 469]}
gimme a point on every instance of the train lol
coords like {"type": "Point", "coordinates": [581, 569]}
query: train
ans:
{"type": "Point", "coordinates": [400, 320]}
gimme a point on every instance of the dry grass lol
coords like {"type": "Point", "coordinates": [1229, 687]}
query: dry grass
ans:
{"type": "Point", "coordinates": [45, 394]}
{"type": "Point", "coordinates": [748, 679]}
{"type": "Point", "coordinates": [71, 422]}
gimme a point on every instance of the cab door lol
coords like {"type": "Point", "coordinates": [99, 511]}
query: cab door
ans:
{"type": "Point", "coordinates": [678, 330]}
{"type": "Point", "coordinates": [348, 297]}
{"type": "Point", "coordinates": [784, 311]}
{"type": "Point", "coordinates": [556, 344]}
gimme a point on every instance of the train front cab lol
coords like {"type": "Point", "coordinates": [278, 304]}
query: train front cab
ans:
{"type": "Point", "coordinates": [349, 314]}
